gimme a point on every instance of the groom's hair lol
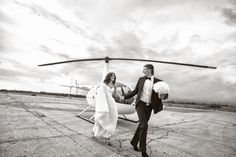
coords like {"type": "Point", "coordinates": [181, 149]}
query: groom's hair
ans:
{"type": "Point", "coordinates": [108, 78]}
{"type": "Point", "coordinates": [150, 66]}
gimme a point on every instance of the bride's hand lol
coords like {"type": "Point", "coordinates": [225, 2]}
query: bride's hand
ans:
{"type": "Point", "coordinates": [122, 98]}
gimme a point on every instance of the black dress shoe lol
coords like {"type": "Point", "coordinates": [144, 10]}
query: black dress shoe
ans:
{"type": "Point", "coordinates": [144, 154]}
{"type": "Point", "coordinates": [134, 146]}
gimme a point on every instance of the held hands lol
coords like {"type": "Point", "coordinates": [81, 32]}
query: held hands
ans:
{"type": "Point", "coordinates": [122, 98]}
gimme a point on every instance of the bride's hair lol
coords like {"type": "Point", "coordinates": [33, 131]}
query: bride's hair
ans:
{"type": "Point", "coordinates": [108, 78]}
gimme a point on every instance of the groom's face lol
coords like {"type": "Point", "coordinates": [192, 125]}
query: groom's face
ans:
{"type": "Point", "coordinates": [146, 71]}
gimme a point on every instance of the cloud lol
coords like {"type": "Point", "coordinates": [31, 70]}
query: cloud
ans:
{"type": "Point", "coordinates": [42, 12]}
{"type": "Point", "coordinates": [231, 37]}
{"type": "Point", "coordinates": [49, 51]}
{"type": "Point", "coordinates": [9, 74]}
{"type": "Point", "coordinates": [5, 35]}
{"type": "Point", "coordinates": [5, 19]}
{"type": "Point", "coordinates": [12, 70]}
{"type": "Point", "coordinates": [127, 45]}
{"type": "Point", "coordinates": [2, 39]}
{"type": "Point", "coordinates": [230, 13]}
{"type": "Point", "coordinates": [181, 31]}
{"type": "Point", "coordinates": [225, 57]}
{"type": "Point", "coordinates": [6, 41]}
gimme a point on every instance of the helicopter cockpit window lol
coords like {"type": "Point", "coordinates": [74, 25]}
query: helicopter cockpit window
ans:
{"type": "Point", "coordinates": [120, 91]}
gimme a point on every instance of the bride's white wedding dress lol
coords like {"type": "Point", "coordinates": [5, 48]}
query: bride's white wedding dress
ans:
{"type": "Point", "coordinates": [106, 114]}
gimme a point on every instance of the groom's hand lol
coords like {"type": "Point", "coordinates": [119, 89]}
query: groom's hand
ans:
{"type": "Point", "coordinates": [163, 96]}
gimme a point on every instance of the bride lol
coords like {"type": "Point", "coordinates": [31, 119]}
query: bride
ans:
{"type": "Point", "coordinates": [106, 114]}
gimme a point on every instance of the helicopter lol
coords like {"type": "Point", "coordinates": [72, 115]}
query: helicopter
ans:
{"type": "Point", "coordinates": [124, 107]}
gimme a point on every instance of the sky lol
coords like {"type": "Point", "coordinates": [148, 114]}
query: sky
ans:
{"type": "Point", "coordinates": [34, 32]}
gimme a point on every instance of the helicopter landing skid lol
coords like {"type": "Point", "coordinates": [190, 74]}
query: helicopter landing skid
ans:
{"type": "Point", "coordinates": [92, 122]}
{"type": "Point", "coordinates": [129, 120]}
{"type": "Point", "coordinates": [84, 118]}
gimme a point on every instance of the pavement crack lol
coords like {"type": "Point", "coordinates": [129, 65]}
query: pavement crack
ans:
{"type": "Point", "coordinates": [121, 141]}
{"type": "Point", "coordinates": [178, 123]}
{"type": "Point", "coordinates": [161, 137]}
{"type": "Point", "coordinates": [43, 118]}
{"type": "Point", "coordinates": [29, 139]}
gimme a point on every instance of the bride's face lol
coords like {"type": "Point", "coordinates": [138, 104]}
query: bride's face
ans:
{"type": "Point", "coordinates": [112, 77]}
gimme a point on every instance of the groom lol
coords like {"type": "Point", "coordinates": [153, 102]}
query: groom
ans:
{"type": "Point", "coordinates": [146, 100]}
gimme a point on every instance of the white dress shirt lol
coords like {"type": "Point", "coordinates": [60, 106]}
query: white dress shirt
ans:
{"type": "Point", "coordinates": [147, 90]}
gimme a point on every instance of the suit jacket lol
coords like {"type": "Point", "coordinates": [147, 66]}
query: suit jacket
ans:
{"type": "Point", "coordinates": [156, 103]}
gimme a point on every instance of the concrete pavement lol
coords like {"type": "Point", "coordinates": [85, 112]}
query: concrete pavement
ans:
{"type": "Point", "coordinates": [36, 126]}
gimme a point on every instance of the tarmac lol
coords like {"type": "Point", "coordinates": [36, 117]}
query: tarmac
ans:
{"type": "Point", "coordinates": [37, 126]}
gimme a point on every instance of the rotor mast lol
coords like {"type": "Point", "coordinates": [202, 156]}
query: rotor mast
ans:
{"type": "Point", "coordinates": [106, 68]}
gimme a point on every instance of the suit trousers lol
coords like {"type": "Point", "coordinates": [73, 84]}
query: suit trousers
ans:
{"type": "Point", "coordinates": [140, 136]}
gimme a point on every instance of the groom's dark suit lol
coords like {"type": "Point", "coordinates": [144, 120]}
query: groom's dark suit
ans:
{"type": "Point", "coordinates": [144, 112]}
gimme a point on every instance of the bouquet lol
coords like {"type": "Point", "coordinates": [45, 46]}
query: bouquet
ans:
{"type": "Point", "coordinates": [162, 89]}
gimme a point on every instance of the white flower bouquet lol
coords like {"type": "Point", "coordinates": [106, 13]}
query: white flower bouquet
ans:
{"type": "Point", "coordinates": [162, 89]}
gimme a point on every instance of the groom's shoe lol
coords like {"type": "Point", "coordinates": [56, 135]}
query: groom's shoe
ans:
{"type": "Point", "coordinates": [134, 146]}
{"type": "Point", "coordinates": [144, 154]}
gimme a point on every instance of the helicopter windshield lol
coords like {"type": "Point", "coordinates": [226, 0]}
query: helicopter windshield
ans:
{"type": "Point", "coordinates": [120, 90]}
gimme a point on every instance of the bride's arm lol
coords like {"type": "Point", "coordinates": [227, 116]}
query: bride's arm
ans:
{"type": "Point", "coordinates": [116, 95]}
{"type": "Point", "coordinates": [101, 100]}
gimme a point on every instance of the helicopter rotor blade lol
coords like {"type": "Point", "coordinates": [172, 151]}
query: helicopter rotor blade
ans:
{"type": "Point", "coordinates": [167, 62]}
{"type": "Point", "coordinates": [71, 61]}
{"type": "Point", "coordinates": [107, 59]}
